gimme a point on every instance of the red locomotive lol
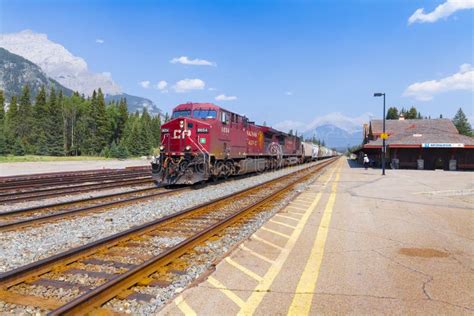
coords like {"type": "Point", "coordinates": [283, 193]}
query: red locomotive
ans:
{"type": "Point", "coordinates": [203, 141]}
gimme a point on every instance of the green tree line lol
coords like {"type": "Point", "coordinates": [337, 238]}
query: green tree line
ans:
{"type": "Point", "coordinates": [57, 125]}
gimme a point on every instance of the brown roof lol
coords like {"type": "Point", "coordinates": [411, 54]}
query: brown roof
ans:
{"type": "Point", "coordinates": [413, 126]}
{"type": "Point", "coordinates": [423, 138]}
{"type": "Point", "coordinates": [417, 132]}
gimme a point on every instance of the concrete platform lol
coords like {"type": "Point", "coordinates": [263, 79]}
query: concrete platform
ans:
{"type": "Point", "coordinates": [21, 168]}
{"type": "Point", "coordinates": [354, 243]}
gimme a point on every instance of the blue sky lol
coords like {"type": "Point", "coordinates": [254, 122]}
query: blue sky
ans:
{"type": "Point", "coordinates": [329, 55]}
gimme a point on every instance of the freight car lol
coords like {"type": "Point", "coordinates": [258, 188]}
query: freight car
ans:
{"type": "Point", "coordinates": [204, 141]}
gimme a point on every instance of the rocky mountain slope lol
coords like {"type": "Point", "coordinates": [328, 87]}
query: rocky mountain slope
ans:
{"type": "Point", "coordinates": [16, 72]}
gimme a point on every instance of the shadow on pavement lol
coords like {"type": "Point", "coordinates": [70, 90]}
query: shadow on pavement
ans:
{"type": "Point", "coordinates": [354, 164]}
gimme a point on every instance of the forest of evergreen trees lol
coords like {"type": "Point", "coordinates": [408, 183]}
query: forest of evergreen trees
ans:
{"type": "Point", "coordinates": [57, 125]}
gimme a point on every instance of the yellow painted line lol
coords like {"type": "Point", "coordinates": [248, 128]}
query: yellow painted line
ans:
{"type": "Point", "coordinates": [248, 272]}
{"type": "Point", "coordinates": [266, 242]}
{"type": "Point", "coordinates": [282, 224]}
{"type": "Point", "coordinates": [233, 297]}
{"type": "Point", "coordinates": [275, 232]}
{"type": "Point", "coordinates": [301, 303]}
{"type": "Point", "coordinates": [264, 286]}
{"type": "Point", "coordinates": [287, 217]}
{"type": "Point", "coordinates": [256, 254]}
{"type": "Point", "coordinates": [184, 307]}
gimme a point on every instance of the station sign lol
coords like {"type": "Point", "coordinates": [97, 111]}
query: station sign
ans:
{"type": "Point", "coordinates": [442, 145]}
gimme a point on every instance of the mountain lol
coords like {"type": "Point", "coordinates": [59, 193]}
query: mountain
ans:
{"type": "Point", "coordinates": [336, 129]}
{"type": "Point", "coordinates": [59, 65]}
{"type": "Point", "coordinates": [135, 103]}
{"type": "Point", "coordinates": [16, 72]}
{"type": "Point", "coordinates": [335, 137]}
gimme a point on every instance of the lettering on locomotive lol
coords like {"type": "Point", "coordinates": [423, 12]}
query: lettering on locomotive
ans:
{"type": "Point", "coordinates": [177, 134]}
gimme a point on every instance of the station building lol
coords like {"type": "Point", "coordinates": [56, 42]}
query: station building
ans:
{"type": "Point", "coordinates": [419, 144]}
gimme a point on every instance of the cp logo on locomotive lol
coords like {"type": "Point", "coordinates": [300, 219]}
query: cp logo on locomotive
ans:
{"type": "Point", "coordinates": [177, 134]}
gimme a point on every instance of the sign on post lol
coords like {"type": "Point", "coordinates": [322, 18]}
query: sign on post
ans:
{"type": "Point", "coordinates": [384, 135]}
{"type": "Point", "coordinates": [442, 145]}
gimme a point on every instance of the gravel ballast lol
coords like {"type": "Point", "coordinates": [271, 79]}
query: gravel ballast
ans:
{"type": "Point", "coordinates": [208, 255]}
{"type": "Point", "coordinates": [28, 245]}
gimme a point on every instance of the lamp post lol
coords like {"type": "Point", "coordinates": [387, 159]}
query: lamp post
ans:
{"type": "Point", "coordinates": [383, 138]}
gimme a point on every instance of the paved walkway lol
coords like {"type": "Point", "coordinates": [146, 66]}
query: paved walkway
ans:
{"type": "Point", "coordinates": [354, 242]}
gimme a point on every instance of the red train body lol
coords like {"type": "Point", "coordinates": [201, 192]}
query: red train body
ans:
{"type": "Point", "coordinates": [203, 141]}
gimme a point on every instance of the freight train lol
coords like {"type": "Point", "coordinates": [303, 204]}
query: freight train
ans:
{"type": "Point", "coordinates": [204, 141]}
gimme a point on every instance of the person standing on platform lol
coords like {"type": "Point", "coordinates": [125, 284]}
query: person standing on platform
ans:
{"type": "Point", "coordinates": [366, 162]}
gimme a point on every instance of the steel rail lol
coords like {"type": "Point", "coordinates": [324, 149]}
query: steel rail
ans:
{"type": "Point", "coordinates": [70, 181]}
{"type": "Point", "coordinates": [21, 274]}
{"type": "Point", "coordinates": [103, 293]}
{"type": "Point", "coordinates": [67, 174]}
{"type": "Point", "coordinates": [74, 212]}
{"type": "Point", "coordinates": [51, 192]}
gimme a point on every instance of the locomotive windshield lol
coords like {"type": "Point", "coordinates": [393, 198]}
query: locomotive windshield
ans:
{"type": "Point", "coordinates": [204, 114]}
{"type": "Point", "coordinates": [184, 113]}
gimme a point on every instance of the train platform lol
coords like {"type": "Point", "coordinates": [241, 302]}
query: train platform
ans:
{"type": "Point", "coordinates": [21, 168]}
{"type": "Point", "coordinates": [355, 242]}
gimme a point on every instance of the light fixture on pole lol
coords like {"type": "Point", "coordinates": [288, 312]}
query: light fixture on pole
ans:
{"type": "Point", "coordinates": [384, 136]}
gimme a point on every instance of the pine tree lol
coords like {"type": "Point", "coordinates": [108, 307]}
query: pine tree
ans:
{"type": "Point", "coordinates": [11, 122]}
{"type": "Point", "coordinates": [122, 118]}
{"type": "Point", "coordinates": [462, 124]}
{"type": "Point", "coordinates": [24, 125]}
{"type": "Point", "coordinates": [167, 117]}
{"type": "Point", "coordinates": [56, 135]}
{"type": "Point", "coordinates": [3, 140]}
{"type": "Point", "coordinates": [412, 114]}
{"type": "Point", "coordinates": [42, 123]}
{"type": "Point", "coordinates": [103, 129]}
{"type": "Point", "coordinates": [156, 130]}
{"type": "Point", "coordinates": [146, 134]}
{"type": "Point", "coordinates": [392, 113]}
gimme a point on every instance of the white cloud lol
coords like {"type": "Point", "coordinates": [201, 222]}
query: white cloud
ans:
{"type": "Point", "coordinates": [288, 93]}
{"type": "Point", "coordinates": [99, 41]}
{"type": "Point", "coordinates": [195, 62]}
{"type": "Point", "coordinates": [442, 11]}
{"type": "Point", "coordinates": [187, 85]}
{"type": "Point", "coordinates": [223, 97]}
{"type": "Point", "coordinates": [346, 123]}
{"type": "Point", "coordinates": [424, 91]}
{"type": "Point", "coordinates": [58, 63]}
{"type": "Point", "coordinates": [212, 89]}
{"type": "Point", "coordinates": [145, 84]}
{"type": "Point", "coordinates": [161, 85]}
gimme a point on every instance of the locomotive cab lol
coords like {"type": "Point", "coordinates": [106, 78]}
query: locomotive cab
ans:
{"type": "Point", "coordinates": [185, 141]}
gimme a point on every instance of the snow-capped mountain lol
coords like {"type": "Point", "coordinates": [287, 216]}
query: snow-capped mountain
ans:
{"type": "Point", "coordinates": [337, 130]}
{"type": "Point", "coordinates": [58, 63]}
{"type": "Point", "coordinates": [72, 72]}
{"type": "Point", "coordinates": [16, 72]}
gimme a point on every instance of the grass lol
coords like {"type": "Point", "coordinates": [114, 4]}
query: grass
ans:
{"type": "Point", "coordinates": [33, 158]}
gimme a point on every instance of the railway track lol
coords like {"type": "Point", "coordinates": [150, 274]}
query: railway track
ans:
{"type": "Point", "coordinates": [83, 279]}
{"type": "Point", "coordinates": [31, 216]}
{"type": "Point", "coordinates": [27, 181]}
{"type": "Point", "coordinates": [42, 193]}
